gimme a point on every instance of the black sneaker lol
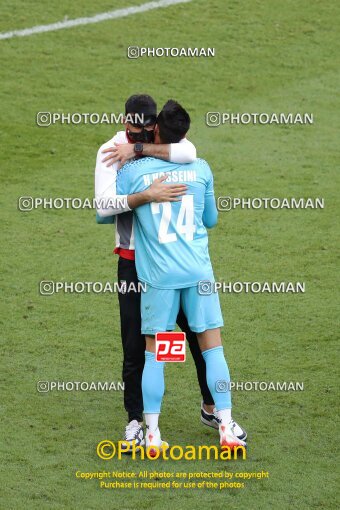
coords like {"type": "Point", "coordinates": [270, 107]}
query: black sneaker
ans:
{"type": "Point", "coordinates": [134, 435]}
{"type": "Point", "coordinates": [211, 420]}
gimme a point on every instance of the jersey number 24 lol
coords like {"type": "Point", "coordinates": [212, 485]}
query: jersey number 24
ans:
{"type": "Point", "coordinates": [185, 220]}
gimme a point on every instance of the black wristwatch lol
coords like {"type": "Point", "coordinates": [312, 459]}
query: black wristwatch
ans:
{"type": "Point", "coordinates": [138, 148]}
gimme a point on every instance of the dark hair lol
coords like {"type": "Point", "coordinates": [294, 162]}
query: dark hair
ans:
{"type": "Point", "coordinates": [142, 104]}
{"type": "Point", "coordinates": [173, 122]}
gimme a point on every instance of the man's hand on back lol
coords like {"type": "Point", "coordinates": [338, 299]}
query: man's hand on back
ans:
{"type": "Point", "coordinates": [161, 192]}
{"type": "Point", "coordinates": [120, 153]}
{"type": "Point", "coordinates": [158, 192]}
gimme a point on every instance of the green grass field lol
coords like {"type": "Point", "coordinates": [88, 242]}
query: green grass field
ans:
{"type": "Point", "coordinates": [270, 57]}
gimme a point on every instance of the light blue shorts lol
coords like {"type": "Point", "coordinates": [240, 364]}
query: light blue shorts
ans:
{"type": "Point", "coordinates": [160, 307]}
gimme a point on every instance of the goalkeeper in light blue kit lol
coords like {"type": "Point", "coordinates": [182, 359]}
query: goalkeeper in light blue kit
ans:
{"type": "Point", "coordinates": [172, 258]}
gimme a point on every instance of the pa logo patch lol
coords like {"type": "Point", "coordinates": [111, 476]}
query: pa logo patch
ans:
{"type": "Point", "coordinates": [170, 346]}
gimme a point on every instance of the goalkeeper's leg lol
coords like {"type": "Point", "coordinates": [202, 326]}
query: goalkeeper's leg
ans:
{"type": "Point", "coordinates": [218, 380]}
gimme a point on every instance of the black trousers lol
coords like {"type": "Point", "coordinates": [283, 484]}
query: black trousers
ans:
{"type": "Point", "coordinates": [134, 344]}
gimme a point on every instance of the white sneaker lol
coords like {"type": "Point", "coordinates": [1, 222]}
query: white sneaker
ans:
{"type": "Point", "coordinates": [212, 420]}
{"type": "Point", "coordinates": [154, 443]}
{"type": "Point", "coordinates": [228, 437]}
{"type": "Point", "coordinates": [134, 435]}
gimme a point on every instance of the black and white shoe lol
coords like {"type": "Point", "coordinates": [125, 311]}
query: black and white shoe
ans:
{"type": "Point", "coordinates": [134, 435]}
{"type": "Point", "coordinates": [211, 420]}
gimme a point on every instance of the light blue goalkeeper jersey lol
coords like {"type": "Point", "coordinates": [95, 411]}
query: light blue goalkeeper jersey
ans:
{"type": "Point", "coordinates": [171, 240]}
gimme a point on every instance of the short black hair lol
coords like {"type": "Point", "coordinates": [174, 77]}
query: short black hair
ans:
{"type": "Point", "coordinates": [173, 122]}
{"type": "Point", "coordinates": [142, 104]}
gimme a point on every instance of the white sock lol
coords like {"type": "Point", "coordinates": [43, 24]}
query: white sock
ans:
{"type": "Point", "coordinates": [151, 420]}
{"type": "Point", "coordinates": [225, 416]}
